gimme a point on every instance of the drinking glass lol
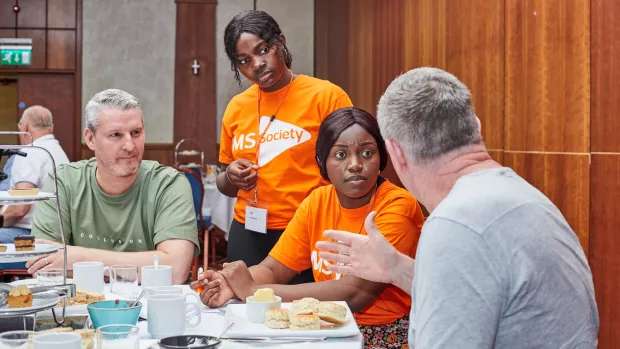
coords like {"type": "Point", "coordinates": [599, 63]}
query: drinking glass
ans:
{"type": "Point", "coordinates": [118, 337]}
{"type": "Point", "coordinates": [16, 339]}
{"type": "Point", "coordinates": [124, 280]}
{"type": "Point", "coordinates": [50, 277]}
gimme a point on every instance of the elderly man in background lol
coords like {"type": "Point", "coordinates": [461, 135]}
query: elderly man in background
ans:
{"type": "Point", "coordinates": [29, 172]}
{"type": "Point", "coordinates": [118, 208]}
{"type": "Point", "coordinates": [497, 264]}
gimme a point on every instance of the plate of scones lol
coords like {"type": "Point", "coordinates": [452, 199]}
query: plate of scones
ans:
{"type": "Point", "coordinates": [264, 315]}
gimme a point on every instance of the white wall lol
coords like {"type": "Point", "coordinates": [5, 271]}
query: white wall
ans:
{"type": "Point", "coordinates": [130, 44]}
{"type": "Point", "coordinates": [296, 19]}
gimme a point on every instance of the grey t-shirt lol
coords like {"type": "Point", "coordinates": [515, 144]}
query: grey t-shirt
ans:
{"type": "Point", "coordinates": [499, 267]}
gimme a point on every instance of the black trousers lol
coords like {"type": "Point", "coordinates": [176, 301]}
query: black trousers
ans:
{"type": "Point", "coordinates": [252, 248]}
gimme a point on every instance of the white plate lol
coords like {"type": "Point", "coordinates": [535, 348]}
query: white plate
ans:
{"type": "Point", "coordinates": [38, 304]}
{"type": "Point", "coordinates": [243, 328]}
{"type": "Point", "coordinates": [74, 310]}
{"type": "Point", "coordinates": [12, 256]}
{"type": "Point", "coordinates": [4, 196]}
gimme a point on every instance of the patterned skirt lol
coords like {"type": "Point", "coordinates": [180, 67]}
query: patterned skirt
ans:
{"type": "Point", "coordinates": [393, 335]}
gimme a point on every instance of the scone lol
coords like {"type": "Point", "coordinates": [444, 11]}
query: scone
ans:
{"type": "Point", "coordinates": [24, 243]}
{"type": "Point", "coordinates": [24, 192]}
{"type": "Point", "coordinates": [20, 297]}
{"type": "Point", "coordinates": [88, 338]}
{"type": "Point", "coordinates": [305, 306]}
{"type": "Point", "coordinates": [332, 312]}
{"type": "Point", "coordinates": [277, 318]}
{"type": "Point", "coordinates": [305, 322]}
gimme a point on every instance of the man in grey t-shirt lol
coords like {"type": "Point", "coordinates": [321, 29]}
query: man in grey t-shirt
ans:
{"type": "Point", "coordinates": [497, 264]}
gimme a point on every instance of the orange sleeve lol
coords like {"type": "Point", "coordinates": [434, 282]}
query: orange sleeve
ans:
{"type": "Point", "coordinates": [293, 247]}
{"type": "Point", "coordinates": [399, 226]}
{"type": "Point", "coordinates": [343, 101]}
{"type": "Point", "coordinates": [226, 137]}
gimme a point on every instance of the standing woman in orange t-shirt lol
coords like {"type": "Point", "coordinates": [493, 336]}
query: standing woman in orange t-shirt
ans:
{"type": "Point", "coordinates": [268, 136]}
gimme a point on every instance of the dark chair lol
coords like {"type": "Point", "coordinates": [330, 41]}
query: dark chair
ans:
{"type": "Point", "coordinates": [203, 224]}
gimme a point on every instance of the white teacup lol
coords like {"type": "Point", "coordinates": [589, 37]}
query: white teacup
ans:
{"type": "Point", "coordinates": [164, 290]}
{"type": "Point", "coordinates": [151, 277]}
{"type": "Point", "coordinates": [169, 314]}
{"type": "Point", "coordinates": [89, 276]}
{"type": "Point", "coordinates": [57, 341]}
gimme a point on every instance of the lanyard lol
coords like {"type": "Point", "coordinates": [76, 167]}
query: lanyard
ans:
{"type": "Point", "coordinates": [262, 134]}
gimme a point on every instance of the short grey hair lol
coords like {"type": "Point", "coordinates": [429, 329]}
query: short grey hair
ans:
{"type": "Point", "coordinates": [38, 117]}
{"type": "Point", "coordinates": [108, 99]}
{"type": "Point", "coordinates": [429, 113]}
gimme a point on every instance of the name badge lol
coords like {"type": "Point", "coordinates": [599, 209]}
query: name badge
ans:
{"type": "Point", "coordinates": [256, 217]}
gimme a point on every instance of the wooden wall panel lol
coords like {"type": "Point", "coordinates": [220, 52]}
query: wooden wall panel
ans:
{"type": "Point", "coordinates": [425, 28]}
{"type": "Point", "coordinates": [605, 245]}
{"type": "Point", "coordinates": [57, 93]}
{"type": "Point", "coordinates": [564, 179]}
{"type": "Point", "coordinates": [8, 33]}
{"type": "Point", "coordinates": [479, 24]}
{"type": "Point", "coordinates": [8, 19]}
{"type": "Point", "coordinates": [162, 153]}
{"type": "Point", "coordinates": [331, 30]}
{"type": "Point", "coordinates": [387, 48]}
{"type": "Point", "coordinates": [605, 76]}
{"type": "Point", "coordinates": [361, 57]}
{"type": "Point", "coordinates": [547, 75]}
{"type": "Point", "coordinates": [194, 97]}
{"type": "Point", "coordinates": [32, 14]}
{"type": "Point", "coordinates": [38, 47]}
{"type": "Point", "coordinates": [61, 49]}
{"type": "Point", "coordinates": [61, 14]}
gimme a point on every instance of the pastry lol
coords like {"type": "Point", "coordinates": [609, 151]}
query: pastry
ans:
{"type": "Point", "coordinates": [305, 322]}
{"type": "Point", "coordinates": [332, 312]}
{"type": "Point", "coordinates": [83, 297]}
{"type": "Point", "coordinates": [277, 318]}
{"type": "Point", "coordinates": [24, 192]}
{"type": "Point", "coordinates": [20, 297]}
{"type": "Point", "coordinates": [88, 338]}
{"type": "Point", "coordinates": [305, 306]}
{"type": "Point", "coordinates": [3, 248]}
{"type": "Point", "coordinates": [24, 243]}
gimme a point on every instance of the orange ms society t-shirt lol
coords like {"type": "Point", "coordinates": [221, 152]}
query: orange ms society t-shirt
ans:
{"type": "Point", "coordinates": [399, 219]}
{"type": "Point", "coordinates": [288, 171]}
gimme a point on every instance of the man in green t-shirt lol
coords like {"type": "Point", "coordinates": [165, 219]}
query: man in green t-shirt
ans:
{"type": "Point", "coordinates": [116, 207]}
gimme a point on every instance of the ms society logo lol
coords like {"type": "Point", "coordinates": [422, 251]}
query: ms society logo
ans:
{"type": "Point", "coordinates": [280, 137]}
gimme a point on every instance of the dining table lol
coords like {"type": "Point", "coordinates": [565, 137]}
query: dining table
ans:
{"type": "Point", "coordinates": [213, 322]}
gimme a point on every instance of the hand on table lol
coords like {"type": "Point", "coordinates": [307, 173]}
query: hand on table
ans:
{"type": "Point", "coordinates": [214, 291]}
{"type": "Point", "coordinates": [54, 260]}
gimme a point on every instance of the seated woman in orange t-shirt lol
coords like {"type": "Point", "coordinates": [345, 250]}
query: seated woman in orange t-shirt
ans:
{"type": "Point", "coordinates": [350, 154]}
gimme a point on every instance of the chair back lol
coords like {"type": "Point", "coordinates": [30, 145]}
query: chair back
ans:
{"type": "Point", "coordinates": [195, 182]}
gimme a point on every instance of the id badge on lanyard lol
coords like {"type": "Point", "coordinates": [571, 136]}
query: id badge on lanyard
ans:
{"type": "Point", "coordinates": [256, 211]}
{"type": "Point", "coordinates": [256, 214]}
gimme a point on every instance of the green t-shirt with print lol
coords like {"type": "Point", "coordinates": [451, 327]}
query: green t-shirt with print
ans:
{"type": "Point", "coordinates": [157, 207]}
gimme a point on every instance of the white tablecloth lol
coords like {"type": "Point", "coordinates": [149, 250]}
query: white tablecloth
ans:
{"type": "Point", "coordinates": [213, 323]}
{"type": "Point", "coordinates": [219, 206]}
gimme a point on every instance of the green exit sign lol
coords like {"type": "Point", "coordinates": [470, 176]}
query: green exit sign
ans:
{"type": "Point", "coordinates": [15, 56]}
